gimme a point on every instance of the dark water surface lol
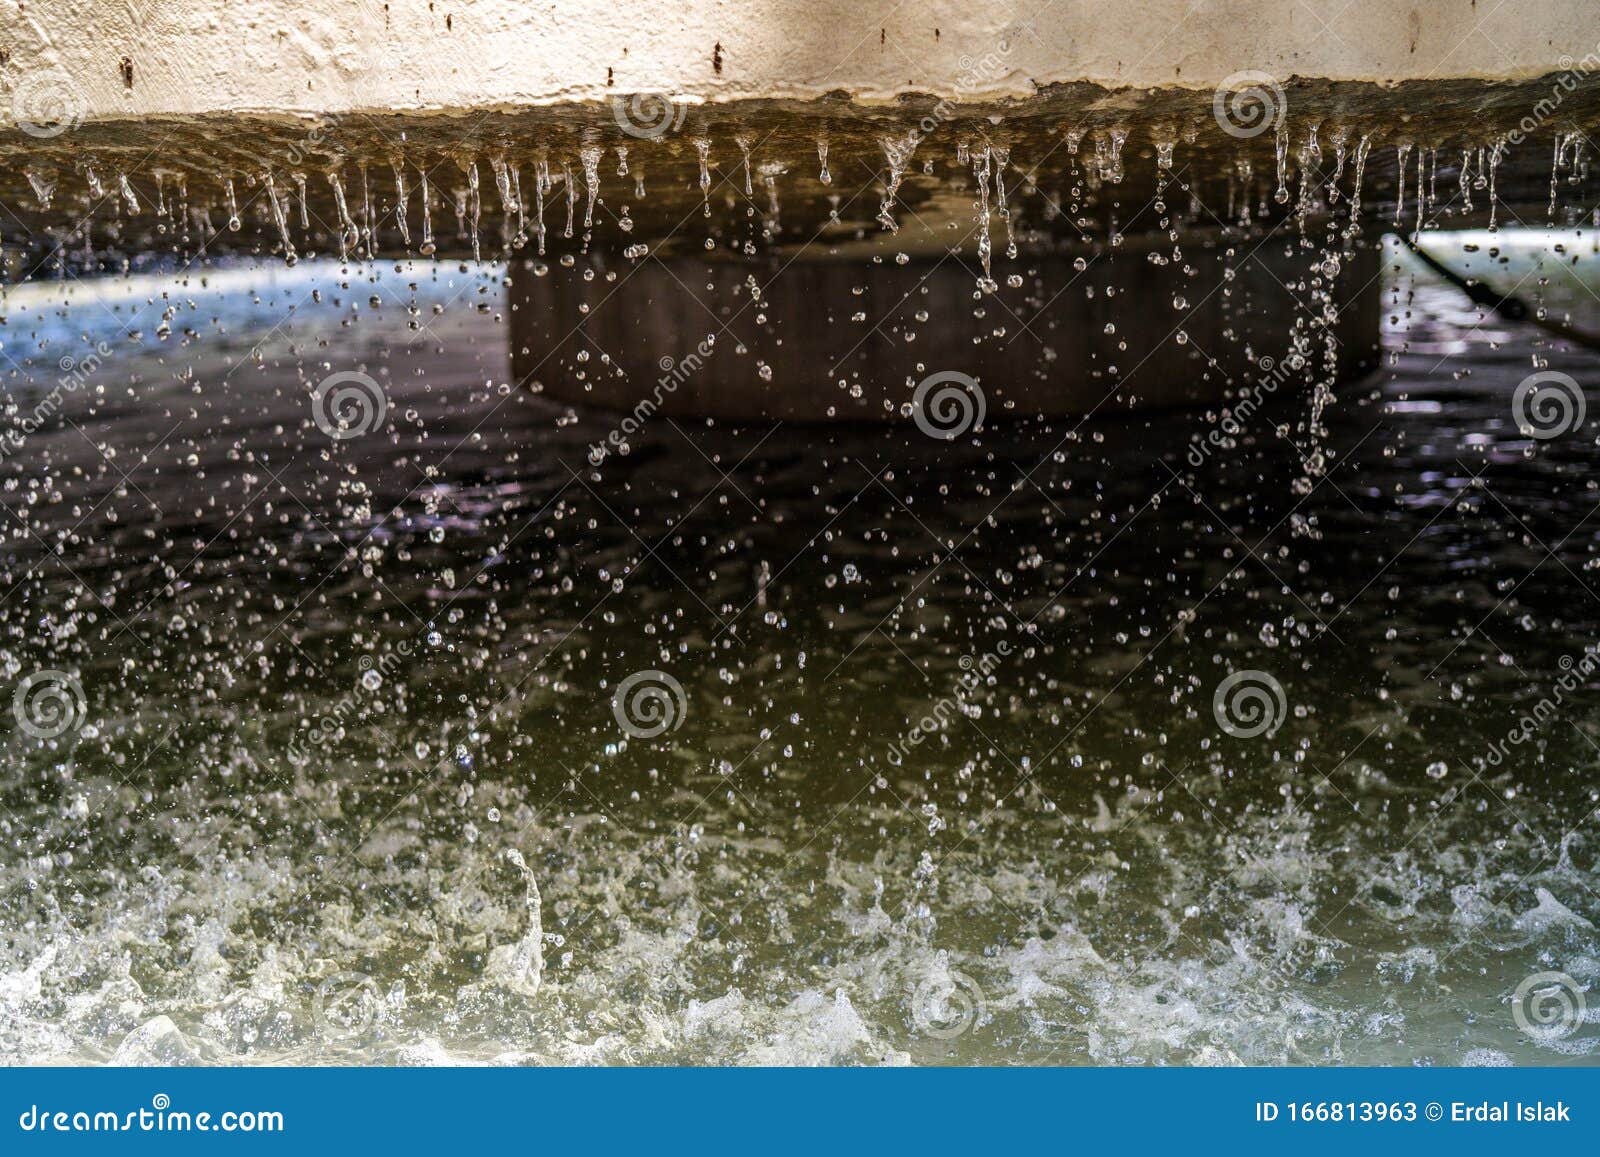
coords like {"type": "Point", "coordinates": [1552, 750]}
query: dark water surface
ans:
{"type": "Point", "coordinates": [326, 758]}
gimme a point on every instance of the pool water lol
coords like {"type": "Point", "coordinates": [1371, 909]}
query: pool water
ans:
{"type": "Point", "coordinates": [1067, 742]}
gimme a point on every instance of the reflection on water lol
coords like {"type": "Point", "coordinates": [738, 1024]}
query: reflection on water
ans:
{"type": "Point", "coordinates": [437, 742]}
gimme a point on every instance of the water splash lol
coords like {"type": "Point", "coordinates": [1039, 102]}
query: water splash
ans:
{"type": "Point", "coordinates": [897, 151]}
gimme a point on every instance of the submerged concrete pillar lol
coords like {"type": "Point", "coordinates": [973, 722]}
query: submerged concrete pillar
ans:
{"type": "Point", "coordinates": [817, 340]}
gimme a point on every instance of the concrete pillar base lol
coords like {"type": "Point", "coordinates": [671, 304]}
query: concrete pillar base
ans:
{"type": "Point", "coordinates": [851, 340]}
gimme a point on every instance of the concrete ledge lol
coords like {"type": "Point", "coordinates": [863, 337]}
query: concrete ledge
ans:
{"type": "Point", "coordinates": [152, 57]}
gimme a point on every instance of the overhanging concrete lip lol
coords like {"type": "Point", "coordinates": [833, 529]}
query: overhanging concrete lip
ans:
{"type": "Point", "coordinates": [157, 57]}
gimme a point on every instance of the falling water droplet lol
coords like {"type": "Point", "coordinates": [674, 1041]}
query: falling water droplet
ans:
{"type": "Point", "coordinates": [44, 185]}
{"type": "Point", "coordinates": [702, 147]}
{"type": "Point", "coordinates": [1280, 151]}
{"type": "Point", "coordinates": [980, 171]}
{"type": "Point", "coordinates": [897, 151]}
{"type": "Point", "coordinates": [280, 217]}
{"type": "Point", "coordinates": [349, 235]}
{"type": "Point", "coordinates": [572, 197]}
{"type": "Point", "coordinates": [744, 152]}
{"type": "Point", "coordinates": [474, 209]}
{"type": "Point", "coordinates": [427, 247]}
{"type": "Point", "coordinates": [1402, 153]}
{"type": "Point", "coordinates": [590, 156]}
{"type": "Point", "coordinates": [400, 197]}
{"type": "Point", "coordinates": [133, 202]}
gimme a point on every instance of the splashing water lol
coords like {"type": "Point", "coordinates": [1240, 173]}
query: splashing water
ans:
{"type": "Point", "coordinates": [334, 630]}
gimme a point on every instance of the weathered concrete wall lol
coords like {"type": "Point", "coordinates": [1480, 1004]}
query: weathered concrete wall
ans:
{"type": "Point", "coordinates": [144, 57]}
